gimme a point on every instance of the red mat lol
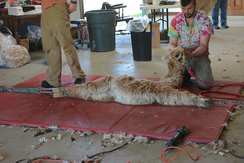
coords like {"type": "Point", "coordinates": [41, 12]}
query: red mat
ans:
{"type": "Point", "coordinates": [155, 121]}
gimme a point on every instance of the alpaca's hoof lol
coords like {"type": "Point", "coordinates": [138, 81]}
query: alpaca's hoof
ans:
{"type": "Point", "coordinates": [207, 103]}
{"type": "Point", "coordinates": [204, 102]}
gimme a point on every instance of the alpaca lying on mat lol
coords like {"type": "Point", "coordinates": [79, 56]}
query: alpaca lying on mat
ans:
{"type": "Point", "coordinates": [128, 90]}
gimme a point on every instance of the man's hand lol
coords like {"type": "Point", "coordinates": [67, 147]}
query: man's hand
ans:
{"type": "Point", "coordinates": [72, 7]}
{"type": "Point", "coordinates": [189, 55]}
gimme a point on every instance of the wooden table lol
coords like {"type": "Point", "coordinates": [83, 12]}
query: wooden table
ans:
{"type": "Point", "coordinates": [13, 22]}
{"type": "Point", "coordinates": [147, 7]}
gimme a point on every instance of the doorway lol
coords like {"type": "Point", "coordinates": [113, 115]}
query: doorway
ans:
{"type": "Point", "coordinates": [236, 7]}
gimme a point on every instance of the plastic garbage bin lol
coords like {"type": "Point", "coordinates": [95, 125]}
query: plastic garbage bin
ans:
{"type": "Point", "coordinates": [142, 45]}
{"type": "Point", "coordinates": [101, 27]}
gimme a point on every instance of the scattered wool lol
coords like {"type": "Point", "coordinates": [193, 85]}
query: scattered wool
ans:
{"type": "Point", "coordinates": [107, 136]}
{"type": "Point", "coordinates": [107, 143]}
{"type": "Point", "coordinates": [225, 125]}
{"type": "Point", "coordinates": [233, 114]}
{"type": "Point", "coordinates": [234, 142]}
{"type": "Point", "coordinates": [38, 133]}
{"type": "Point", "coordinates": [59, 137]}
{"type": "Point", "coordinates": [44, 140]}
{"type": "Point", "coordinates": [130, 136]}
{"type": "Point", "coordinates": [239, 107]}
{"type": "Point", "coordinates": [71, 131]}
{"type": "Point", "coordinates": [87, 159]}
{"type": "Point", "coordinates": [209, 150]}
{"type": "Point", "coordinates": [222, 153]}
{"type": "Point", "coordinates": [34, 147]}
{"type": "Point", "coordinates": [87, 134]}
{"type": "Point", "coordinates": [54, 128]}
{"type": "Point", "coordinates": [141, 139]}
{"type": "Point", "coordinates": [117, 140]}
{"type": "Point", "coordinates": [215, 147]}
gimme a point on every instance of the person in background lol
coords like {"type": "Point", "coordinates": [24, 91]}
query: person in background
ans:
{"type": "Point", "coordinates": [55, 27]}
{"type": "Point", "coordinates": [222, 5]}
{"type": "Point", "coordinates": [191, 29]}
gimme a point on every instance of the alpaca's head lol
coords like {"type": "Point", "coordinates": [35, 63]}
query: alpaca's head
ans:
{"type": "Point", "coordinates": [178, 55]}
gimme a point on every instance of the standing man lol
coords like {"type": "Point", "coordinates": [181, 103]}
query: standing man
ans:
{"type": "Point", "coordinates": [222, 5]}
{"type": "Point", "coordinates": [191, 29]}
{"type": "Point", "coordinates": [55, 26]}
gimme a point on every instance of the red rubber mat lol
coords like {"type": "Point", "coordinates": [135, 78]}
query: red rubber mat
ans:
{"type": "Point", "coordinates": [155, 121]}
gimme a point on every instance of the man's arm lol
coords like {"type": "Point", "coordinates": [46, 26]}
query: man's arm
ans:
{"type": "Point", "coordinates": [72, 6]}
{"type": "Point", "coordinates": [204, 41]}
{"type": "Point", "coordinates": [173, 42]}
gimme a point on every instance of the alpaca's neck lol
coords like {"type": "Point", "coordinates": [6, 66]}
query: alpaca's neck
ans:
{"type": "Point", "coordinates": [174, 77]}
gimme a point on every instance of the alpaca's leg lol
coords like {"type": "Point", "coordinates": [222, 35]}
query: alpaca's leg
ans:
{"type": "Point", "coordinates": [176, 97]}
{"type": "Point", "coordinates": [97, 90]}
{"type": "Point", "coordinates": [203, 102]}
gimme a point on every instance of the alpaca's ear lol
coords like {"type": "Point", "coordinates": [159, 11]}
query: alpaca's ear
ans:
{"type": "Point", "coordinates": [178, 48]}
{"type": "Point", "coordinates": [171, 52]}
{"type": "Point", "coordinates": [173, 49]}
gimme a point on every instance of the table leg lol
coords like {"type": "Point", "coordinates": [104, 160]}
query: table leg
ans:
{"type": "Point", "coordinates": [167, 10]}
{"type": "Point", "coordinates": [16, 25]}
{"type": "Point", "coordinates": [163, 18]}
{"type": "Point", "coordinates": [144, 12]}
{"type": "Point", "coordinates": [154, 15]}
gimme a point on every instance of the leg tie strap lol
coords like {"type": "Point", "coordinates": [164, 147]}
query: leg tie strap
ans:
{"type": "Point", "coordinates": [63, 91]}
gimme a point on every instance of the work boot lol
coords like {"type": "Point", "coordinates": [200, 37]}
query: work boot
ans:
{"type": "Point", "coordinates": [225, 26]}
{"type": "Point", "coordinates": [80, 81]}
{"type": "Point", "coordinates": [45, 84]}
{"type": "Point", "coordinates": [216, 27]}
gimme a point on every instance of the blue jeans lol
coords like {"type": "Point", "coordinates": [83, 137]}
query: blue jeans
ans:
{"type": "Point", "coordinates": [201, 68]}
{"type": "Point", "coordinates": [222, 5]}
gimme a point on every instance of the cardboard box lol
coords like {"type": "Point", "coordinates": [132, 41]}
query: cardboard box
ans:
{"type": "Point", "coordinates": [149, 1]}
{"type": "Point", "coordinates": [155, 35]}
{"type": "Point", "coordinates": [24, 41]}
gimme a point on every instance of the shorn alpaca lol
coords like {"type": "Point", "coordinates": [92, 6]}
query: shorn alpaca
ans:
{"type": "Point", "coordinates": [128, 90]}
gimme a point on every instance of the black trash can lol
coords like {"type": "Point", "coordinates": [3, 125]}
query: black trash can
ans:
{"type": "Point", "coordinates": [142, 45]}
{"type": "Point", "coordinates": [101, 27]}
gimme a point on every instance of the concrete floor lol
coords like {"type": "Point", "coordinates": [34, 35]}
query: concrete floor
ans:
{"type": "Point", "coordinates": [227, 44]}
